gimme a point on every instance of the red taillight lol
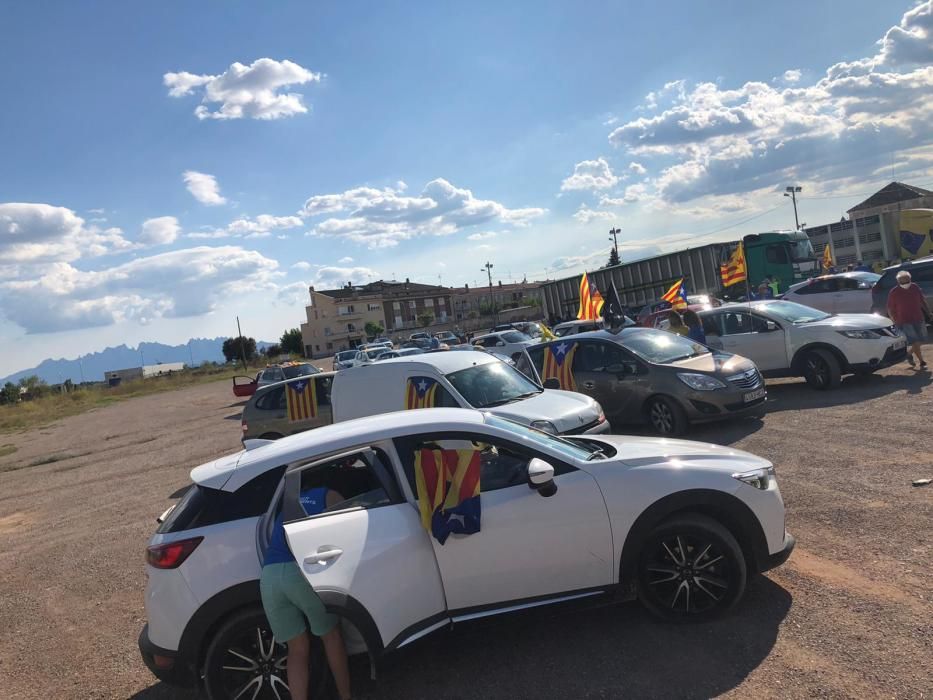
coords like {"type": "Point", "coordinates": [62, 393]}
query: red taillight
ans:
{"type": "Point", "coordinates": [171, 556]}
{"type": "Point", "coordinates": [244, 427]}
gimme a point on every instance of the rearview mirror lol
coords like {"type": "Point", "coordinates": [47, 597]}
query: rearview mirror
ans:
{"type": "Point", "coordinates": [551, 383]}
{"type": "Point", "coordinates": [500, 344]}
{"type": "Point", "coordinates": [541, 477]}
{"type": "Point", "coordinates": [771, 325]}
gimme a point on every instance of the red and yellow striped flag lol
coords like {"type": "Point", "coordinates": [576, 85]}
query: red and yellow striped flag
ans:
{"type": "Point", "coordinates": [558, 364]}
{"type": "Point", "coordinates": [734, 270]}
{"type": "Point", "coordinates": [676, 296]}
{"type": "Point", "coordinates": [301, 400]}
{"type": "Point", "coordinates": [591, 301]}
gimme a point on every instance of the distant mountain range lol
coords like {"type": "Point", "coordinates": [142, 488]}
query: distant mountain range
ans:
{"type": "Point", "coordinates": [91, 367]}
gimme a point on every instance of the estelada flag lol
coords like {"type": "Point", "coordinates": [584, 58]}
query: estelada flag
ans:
{"type": "Point", "coordinates": [676, 296]}
{"type": "Point", "coordinates": [448, 485]}
{"type": "Point", "coordinates": [591, 301]}
{"type": "Point", "coordinates": [734, 270]}
{"type": "Point", "coordinates": [827, 258]}
{"type": "Point", "coordinates": [558, 364]}
{"type": "Point", "coordinates": [301, 400]}
{"type": "Point", "coordinates": [420, 392]}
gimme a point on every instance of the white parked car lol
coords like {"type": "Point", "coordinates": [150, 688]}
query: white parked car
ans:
{"type": "Point", "coordinates": [791, 340]}
{"type": "Point", "coordinates": [368, 356]}
{"type": "Point", "coordinates": [464, 380]}
{"type": "Point", "coordinates": [679, 525]}
{"type": "Point", "coordinates": [844, 293]}
{"type": "Point", "coordinates": [344, 359]}
{"type": "Point", "coordinates": [509, 343]}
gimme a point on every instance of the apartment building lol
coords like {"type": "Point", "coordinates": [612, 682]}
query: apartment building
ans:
{"type": "Point", "coordinates": [336, 318]}
{"type": "Point", "coordinates": [471, 302]}
{"type": "Point", "coordinates": [871, 232]}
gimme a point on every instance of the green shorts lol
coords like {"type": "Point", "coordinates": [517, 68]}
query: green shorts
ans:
{"type": "Point", "coordinates": [289, 601]}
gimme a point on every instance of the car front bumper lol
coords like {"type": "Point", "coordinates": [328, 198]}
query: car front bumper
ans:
{"type": "Point", "coordinates": [706, 406]}
{"type": "Point", "coordinates": [889, 358]}
{"type": "Point", "coordinates": [775, 560]}
{"type": "Point", "coordinates": [165, 664]}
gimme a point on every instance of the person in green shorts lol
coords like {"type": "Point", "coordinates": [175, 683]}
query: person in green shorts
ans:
{"type": "Point", "coordinates": [292, 606]}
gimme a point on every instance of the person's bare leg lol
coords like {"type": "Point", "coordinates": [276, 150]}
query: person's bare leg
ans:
{"type": "Point", "coordinates": [916, 350]}
{"type": "Point", "coordinates": [337, 660]}
{"type": "Point", "coordinates": [299, 660]}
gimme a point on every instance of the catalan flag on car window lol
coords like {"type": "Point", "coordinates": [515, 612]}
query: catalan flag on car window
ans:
{"type": "Point", "coordinates": [448, 485]}
{"type": "Point", "coordinates": [301, 400]}
{"type": "Point", "coordinates": [420, 392]}
{"type": "Point", "coordinates": [558, 364]}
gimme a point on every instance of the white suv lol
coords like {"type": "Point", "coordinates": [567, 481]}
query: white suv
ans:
{"type": "Point", "coordinates": [786, 339]}
{"type": "Point", "coordinates": [679, 525]}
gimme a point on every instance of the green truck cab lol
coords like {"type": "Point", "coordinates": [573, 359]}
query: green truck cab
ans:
{"type": "Point", "coordinates": [784, 256]}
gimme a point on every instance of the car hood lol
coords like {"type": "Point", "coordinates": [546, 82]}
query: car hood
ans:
{"type": "Point", "coordinates": [849, 322]}
{"type": "Point", "coordinates": [567, 410]}
{"type": "Point", "coordinates": [716, 362]}
{"type": "Point", "coordinates": [634, 452]}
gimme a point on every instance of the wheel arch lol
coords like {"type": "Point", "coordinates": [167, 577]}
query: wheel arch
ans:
{"type": "Point", "coordinates": [722, 507]}
{"type": "Point", "coordinates": [797, 361]}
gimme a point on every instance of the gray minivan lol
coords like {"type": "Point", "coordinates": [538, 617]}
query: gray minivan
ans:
{"type": "Point", "coordinates": [266, 414]}
{"type": "Point", "coordinates": [643, 375]}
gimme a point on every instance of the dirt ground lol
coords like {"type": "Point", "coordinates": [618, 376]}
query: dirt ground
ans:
{"type": "Point", "coordinates": [850, 615]}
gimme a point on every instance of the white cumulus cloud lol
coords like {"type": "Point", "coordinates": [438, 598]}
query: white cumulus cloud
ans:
{"type": "Point", "coordinates": [590, 175]}
{"type": "Point", "coordinates": [346, 260]}
{"type": "Point", "coordinates": [204, 188]}
{"type": "Point", "coordinates": [302, 265]}
{"type": "Point", "coordinates": [482, 235]}
{"type": "Point", "coordinates": [792, 76]}
{"type": "Point", "coordinates": [160, 230]}
{"type": "Point", "coordinates": [382, 218]}
{"type": "Point", "coordinates": [188, 282]}
{"type": "Point", "coordinates": [260, 226]}
{"type": "Point", "coordinates": [585, 215]}
{"type": "Point", "coordinates": [336, 276]}
{"type": "Point", "coordinates": [253, 91]}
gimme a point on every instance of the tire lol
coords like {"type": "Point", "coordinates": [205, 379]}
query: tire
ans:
{"type": "Point", "coordinates": [270, 436]}
{"type": "Point", "coordinates": [821, 369]}
{"type": "Point", "coordinates": [261, 657]}
{"type": "Point", "coordinates": [690, 569]}
{"type": "Point", "coordinates": [666, 416]}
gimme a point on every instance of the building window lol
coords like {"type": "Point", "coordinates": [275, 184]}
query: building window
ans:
{"type": "Point", "coordinates": [411, 304]}
{"type": "Point", "coordinates": [869, 237]}
{"type": "Point", "coordinates": [398, 321]}
{"type": "Point", "coordinates": [845, 242]}
{"type": "Point", "coordinates": [845, 259]}
{"type": "Point", "coordinates": [330, 346]}
{"type": "Point", "coordinates": [317, 348]}
{"type": "Point", "coordinates": [396, 305]}
{"type": "Point", "coordinates": [350, 328]}
{"type": "Point", "coordinates": [440, 301]}
{"type": "Point", "coordinates": [429, 303]}
{"type": "Point", "coordinates": [345, 310]}
{"type": "Point", "coordinates": [372, 307]}
{"type": "Point", "coordinates": [326, 331]}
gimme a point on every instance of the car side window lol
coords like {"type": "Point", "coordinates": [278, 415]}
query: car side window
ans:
{"type": "Point", "coordinates": [922, 275]}
{"type": "Point", "coordinates": [847, 284]}
{"type": "Point", "coordinates": [776, 254]}
{"type": "Point", "coordinates": [739, 322]}
{"type": "Point", "coordinates": [712, 324]}
{"type": "Point", "coordinates": [502, 464]}
{"type": "Point", "coordinates": [596, 356]}
{"type": "Point", "coordinates": [536, 355]}
{"type": "Point", "coordinates": [273, 400]}
{"type": "Point", "coordinates": [361, 479]}
{"type": "Point", "coordinates": [759, 324]}
{"type": "Point", "coordinates": [322, 387]}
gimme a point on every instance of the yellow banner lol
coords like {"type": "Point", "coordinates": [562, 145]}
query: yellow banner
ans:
{"type": "Point", "coordinates": [916, 233]}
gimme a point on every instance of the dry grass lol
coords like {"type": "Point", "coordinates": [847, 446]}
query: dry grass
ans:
{"type": "Point", "coordinates": [6, 450]}
{"type": "Point", "coordinates": [29, 414]}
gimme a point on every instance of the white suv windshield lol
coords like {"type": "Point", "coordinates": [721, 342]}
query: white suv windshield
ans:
{"type": "Point", "coordinates": [790, 311]}
{"type": "Point", "coordinates": [514, 337]}
{"type": "Point", "coordinates": [492, 384]}
{"type": "Point", "coordinates": [346, 355]}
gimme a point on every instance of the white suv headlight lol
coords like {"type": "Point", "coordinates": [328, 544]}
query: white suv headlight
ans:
{"type": "Point", "coordinates": [759, 478]}
{"type": "Point", "coordinates": [545, 426]}
{"type": "Point", "coordinates": [860, 335]}
{"type": "Point", "coordinates": [700, 382]}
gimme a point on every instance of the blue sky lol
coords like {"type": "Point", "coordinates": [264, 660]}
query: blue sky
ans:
{"type": "Point", "coordinates": [168, 166]}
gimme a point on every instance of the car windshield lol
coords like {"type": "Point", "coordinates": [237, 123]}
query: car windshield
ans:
{"type": "Point", "coordinates": [662, 347]}
{"type": "Point", "coordinates": [514, 337]}
{"type": "Point", "coordinates": [802, 250]}
{"type": "Point", "coordinates": [373, 354]}
{"type": "Point", "coordinates": [791, 311]}
{"type": "Point", "coordinates": [293, 371]}
{"type": "Point", "coordinates": [539, 439]}
{"type": "Point", "coordinates": [492, 384]}
{"type": "Point", "coordinates": [346, 355]}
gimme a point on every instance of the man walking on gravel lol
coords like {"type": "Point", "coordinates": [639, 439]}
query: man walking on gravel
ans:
{"type": "Point", "coordinates": [909, 310]}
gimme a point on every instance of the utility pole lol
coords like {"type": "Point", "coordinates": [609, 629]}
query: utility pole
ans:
{"type": "Point", "coordinates": [791, 191]}
{"type": "Point", "coordinates": [488, 267]}
{"type": "Point", "coordinates": [190, 354]}
{"type": "Point", "coordinates": [240, 340]}
{"type": "Point", "coordinates": [614, 232]}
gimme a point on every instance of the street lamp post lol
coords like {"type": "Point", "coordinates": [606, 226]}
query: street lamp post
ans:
{"type": "Point", "coordinates": [614, 233]}
{"type": "Point", "coordinates": [488, 268]}
{"type": "Point", "coordinates": [791, 191]}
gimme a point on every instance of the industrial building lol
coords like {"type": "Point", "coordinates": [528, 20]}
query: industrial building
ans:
{"type": "Point", "coordinates": [116, 376]}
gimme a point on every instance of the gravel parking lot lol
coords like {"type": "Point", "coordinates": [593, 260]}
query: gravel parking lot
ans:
{"type": "Point", "coordinates": [848, 616]}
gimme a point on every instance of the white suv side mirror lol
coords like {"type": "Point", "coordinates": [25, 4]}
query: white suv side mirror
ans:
{"type": "Point", "coordinates": [541, 477]}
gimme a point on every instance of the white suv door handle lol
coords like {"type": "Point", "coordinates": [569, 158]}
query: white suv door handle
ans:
{"type": "Point", "coordinates": [323, 555]}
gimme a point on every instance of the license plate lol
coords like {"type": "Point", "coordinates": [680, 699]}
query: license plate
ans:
{"type": "Point", "coordinates": [754, 395]}
{"type": "Point", "coordinates": [899, 344]}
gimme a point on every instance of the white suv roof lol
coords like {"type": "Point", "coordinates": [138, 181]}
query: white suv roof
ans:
{"type": "Point", "coordinates": [231, 472]}
{"type": "Point", "coordinates": [444, 361]}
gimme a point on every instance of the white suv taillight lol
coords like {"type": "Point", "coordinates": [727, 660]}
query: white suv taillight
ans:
{"type": "Point", "coordinates": [171, 555]}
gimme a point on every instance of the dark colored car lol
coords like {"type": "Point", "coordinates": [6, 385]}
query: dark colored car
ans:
{"type": "Point", "coordinates": [921, 273]}
{"type": "Point", "coordinates": [643, 375]}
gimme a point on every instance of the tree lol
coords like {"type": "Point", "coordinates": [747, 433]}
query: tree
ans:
{"type": "Point", "coordinates": [291, 342]}
{"type": "Point", "coordinates": [34, 386]}
{"type": "Point", "coordinates": [613, 257]}
{"type": "Point", "coordinates": [373, 329]}
{"type": "Point", "coordinates": [272, 350]}
{"type": "Point", "coordinates": [9, 394]}
{"type": "Point", "coordinates": [232, 348]}
{"type": "Point", "coordinates": [425, 318]}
